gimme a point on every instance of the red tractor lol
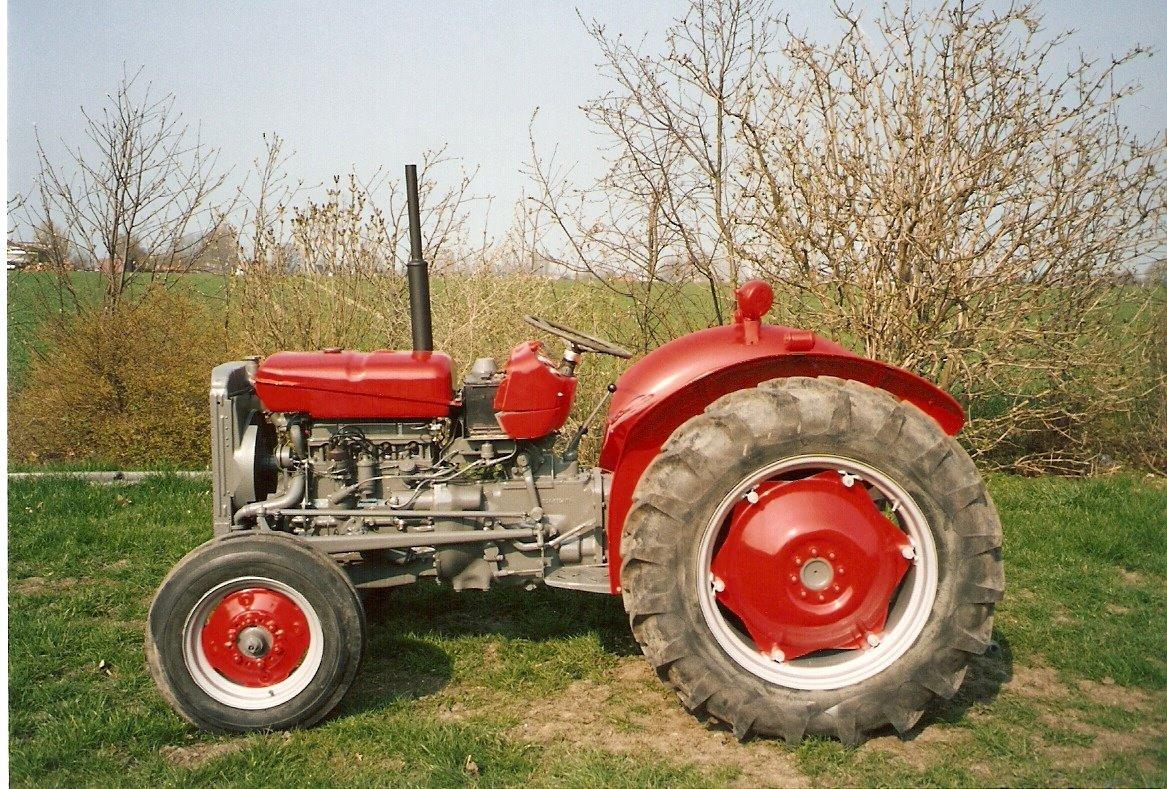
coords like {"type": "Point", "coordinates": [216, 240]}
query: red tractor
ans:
{"type": "Point", "coordinates": [801, 545]}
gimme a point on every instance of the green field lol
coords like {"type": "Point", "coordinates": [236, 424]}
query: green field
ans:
{"type": "Point", "coordinates": [547, 688]}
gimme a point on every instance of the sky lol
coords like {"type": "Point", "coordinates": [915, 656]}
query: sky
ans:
{"type": "Point", "coordinates": [366, 84]}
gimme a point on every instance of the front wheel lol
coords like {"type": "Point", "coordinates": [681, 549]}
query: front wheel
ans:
{"type": "Point", "coordinates": [811, 556]}
{"type": "Point", "coordinates": [254, 632]}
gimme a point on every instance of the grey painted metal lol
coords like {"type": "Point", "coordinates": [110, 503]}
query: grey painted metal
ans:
{"type": "Point", "coordinates": [293, 494]}
{"type": "Point", "coordinates": [233, 403]}
{"type": "Point", "coordinates": [582, 578]}
{"type": "Point", "coordinates": [383, 512]}
{"type": "Point", "coordinates": [349, 543]}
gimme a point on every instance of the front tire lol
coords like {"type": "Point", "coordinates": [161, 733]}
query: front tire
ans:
{"type": "Point", "coordinates": [792, 647]}
{"type": "Point", "coordinates": [254, 632]}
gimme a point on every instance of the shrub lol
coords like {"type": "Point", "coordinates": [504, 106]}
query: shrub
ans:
{"type": "Point", "coordinates": [127, 386]}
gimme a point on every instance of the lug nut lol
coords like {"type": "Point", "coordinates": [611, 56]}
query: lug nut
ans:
{"type": "Point", "coordinates": [752, 496]}
{"type": "Point", "coordinates": [776, 654]}
{"type": "Point", "coordinates": [873, 639]}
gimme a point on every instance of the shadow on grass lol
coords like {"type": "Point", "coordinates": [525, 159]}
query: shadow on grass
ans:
{"type": "Point", "coordinates": [414, 631]}
{"type": "Point", "coordinates": [545, 614]}
{"type": "Point", "coordinates": [986, 674]}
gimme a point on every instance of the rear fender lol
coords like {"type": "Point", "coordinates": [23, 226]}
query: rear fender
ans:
{"type": "Point", "coordinates": [680, 379]}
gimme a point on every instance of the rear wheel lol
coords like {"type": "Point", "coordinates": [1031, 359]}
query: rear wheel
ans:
{"type": "Point", "coordinates": [254, 632]}
{"type": "Point", "coordinates": [811, 556]}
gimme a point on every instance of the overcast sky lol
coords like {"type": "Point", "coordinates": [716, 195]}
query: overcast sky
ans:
{"type": "Point", "coordinates": [365, 84]}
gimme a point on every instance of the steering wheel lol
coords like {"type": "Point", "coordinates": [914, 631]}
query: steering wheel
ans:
{"type": "Point", "coordinates": [577, 339]}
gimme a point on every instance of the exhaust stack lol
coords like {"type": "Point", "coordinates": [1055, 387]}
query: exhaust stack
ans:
{"type": "Point", "coordinates": [420, 317]}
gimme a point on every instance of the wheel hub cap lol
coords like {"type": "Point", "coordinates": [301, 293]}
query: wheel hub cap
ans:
{"type": "Point", "coordinates": [810, 564]}
{"type": "Point", "coordinates": [255, 637]}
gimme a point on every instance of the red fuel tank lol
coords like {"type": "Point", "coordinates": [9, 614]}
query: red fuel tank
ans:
{"type": "Point", "coordinates": [351, 384]}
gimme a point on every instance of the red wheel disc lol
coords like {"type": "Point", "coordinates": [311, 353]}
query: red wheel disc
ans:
{"type": "Point", "coordinates": [811, 564]}
{"type": "Point", "coordinates": [256, 637]}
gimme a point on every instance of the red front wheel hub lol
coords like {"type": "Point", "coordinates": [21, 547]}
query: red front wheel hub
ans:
{"type": "Point", "coordinates": [810, 564]}
{"type": "Point", "coordinates": [255, 637]}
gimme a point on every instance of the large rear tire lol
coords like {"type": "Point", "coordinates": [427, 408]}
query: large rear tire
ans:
{"type": "Point", "coordinates": [254, 632]}
{"type": "Point", "coordinates": [814, 441]}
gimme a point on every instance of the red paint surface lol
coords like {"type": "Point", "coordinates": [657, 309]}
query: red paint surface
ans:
{"type": "Point", "coordinates": [754, 300]}
{"type": "Point", "coordinates": [534, 398]}
{"type": "Point", "coordinates": [677, 381]}
{"type": "Point", "coordinates": [820, 520]}
{"type": "Point", "coordinates": [350, 384]}
{"type": "Point", "coordinates": [270, 610]}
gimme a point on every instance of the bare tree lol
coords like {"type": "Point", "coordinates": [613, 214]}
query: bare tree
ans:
{"type": "Point", "coordinates": [924, 184]}
{"type": "Point", "coordinates": [136, 198]}
{"type": "Point", "coordinates": [322, 271]}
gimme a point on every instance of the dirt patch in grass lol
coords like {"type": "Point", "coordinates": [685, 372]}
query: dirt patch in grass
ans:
{"type": "Point", "coordinates": [924, 749]}
{"type": "Point", "coordinates": [35, 584]}
{"type": "Point", "coordinates": [1038, 682]}
{"type": "Point", "coordinates": [634, 714]}
{"type": "Point", "coordinates": [194, 756]}
{"type": "Point", "coordinates": [1046, 685]}
{"type": "Point", "coordinates": [1113, 695]}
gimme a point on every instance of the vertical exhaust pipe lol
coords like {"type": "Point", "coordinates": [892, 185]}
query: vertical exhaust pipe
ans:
{"type": "Point", "coordinates": [420, 317]}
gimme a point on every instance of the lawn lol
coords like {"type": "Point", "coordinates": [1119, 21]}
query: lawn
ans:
{"type": "Point", "coordinates": [515, 688]}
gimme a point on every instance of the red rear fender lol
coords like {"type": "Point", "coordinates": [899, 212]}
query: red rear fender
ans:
{"type": "Point", "coordinates": [678, 380]}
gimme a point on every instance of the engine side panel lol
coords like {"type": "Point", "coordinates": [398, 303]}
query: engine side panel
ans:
{"type": "Point", "coordinates": [680, 379]}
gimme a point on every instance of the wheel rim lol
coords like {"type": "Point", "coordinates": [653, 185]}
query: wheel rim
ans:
{"type": "Point", "coordinates": [774, 583]}
{"type": "Point", "coordinates": [253, 643]}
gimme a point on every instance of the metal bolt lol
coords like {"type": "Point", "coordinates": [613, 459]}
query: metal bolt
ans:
{"type": "Point", "coordinates": [814, 551]}
{"type": "Point", "coordinates": [718, 584]}
{"type": "Point", "coordinates": [794, 578]}
{"type": "Point", "coordinates": [802, 592]}
{"type": "Point", "coordinates": [908, 552]}
{"type": "Point", "coordinates": [873, 639]}
{"type": "Point", "coordinates": [752, 496]}
{"type": "Point", "coordinates": [831, 555]}
{"type": "Point", "coordinates": [822, 597]}
{"type": "Point", "coordinates": [848, 479]}
{"type": "Point", "coordinates": [777, 655]}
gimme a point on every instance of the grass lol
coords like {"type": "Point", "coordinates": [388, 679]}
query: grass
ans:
{"type": "Point", "coordinates": [546, 688]}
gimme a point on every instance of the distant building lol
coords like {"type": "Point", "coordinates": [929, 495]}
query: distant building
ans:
{"type": "Point", "coordinates": [24, 255]}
